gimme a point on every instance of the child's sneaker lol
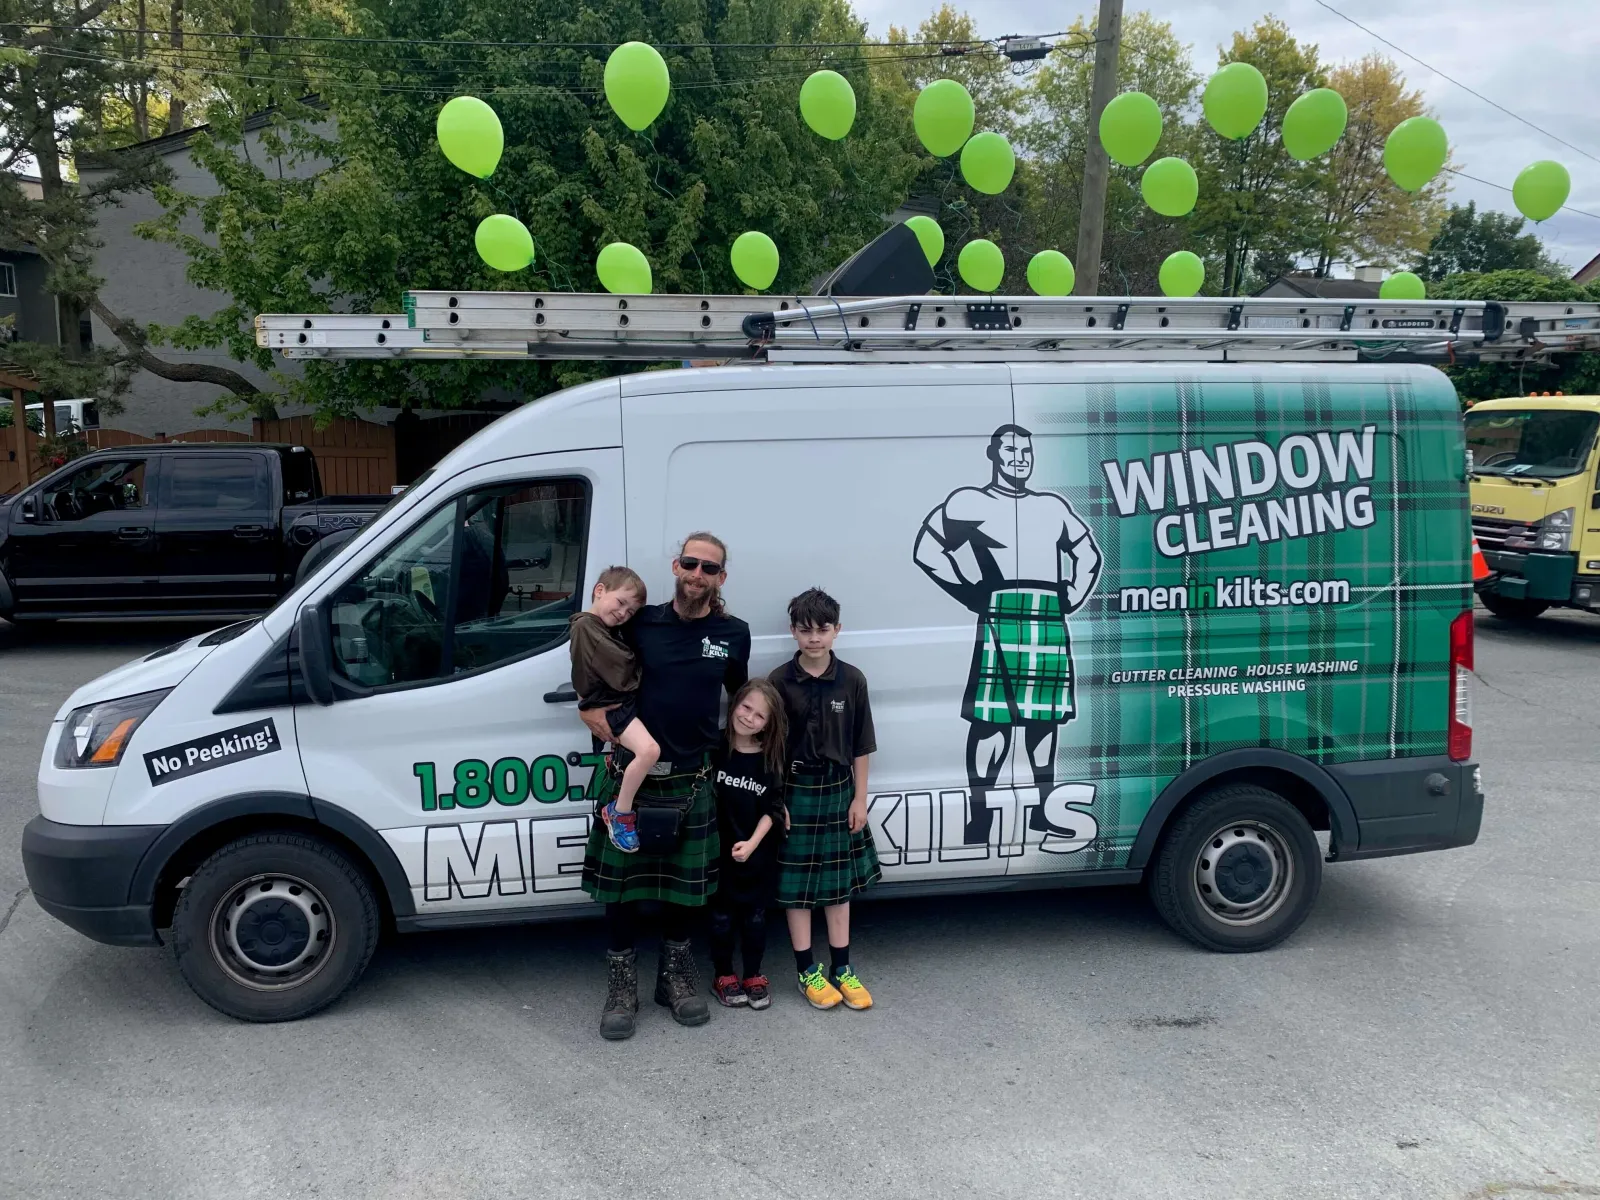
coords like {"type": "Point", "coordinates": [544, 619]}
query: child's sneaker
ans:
{"type": "Point", "coordinates": [819, 993]}
{"type": "Point", "coordinates": [758, 991]}
{"type": "Point", "coordinates": [851, 990]}
{"type": "Point", "coordinates": [729, 991]}
{"type": "Point", "coordinates": [622, 828]}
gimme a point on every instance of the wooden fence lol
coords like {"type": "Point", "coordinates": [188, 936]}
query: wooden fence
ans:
{"type": "Point", "coordinates": [352, 456]}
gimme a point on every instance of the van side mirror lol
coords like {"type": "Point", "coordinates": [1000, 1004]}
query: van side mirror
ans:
{"type": "Point", "coordinates": [316, 653]}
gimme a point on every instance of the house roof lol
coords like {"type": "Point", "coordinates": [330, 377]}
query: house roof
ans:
{"type": "Point", "coordinates": [1589, 272]}
{"type": "Point", "coordinates": [1312, 288]}
{"type": "Point", "coordinates": [171, 143]}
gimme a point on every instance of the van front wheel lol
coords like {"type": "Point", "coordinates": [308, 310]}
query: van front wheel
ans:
{"type": "Point", "coordinates": [274, 926]}
{"type": "Point", "coordinates": [1238, 870]}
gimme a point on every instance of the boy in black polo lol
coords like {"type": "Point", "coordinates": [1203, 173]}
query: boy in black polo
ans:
{"type": "Point", "coordinates": [828, 855]}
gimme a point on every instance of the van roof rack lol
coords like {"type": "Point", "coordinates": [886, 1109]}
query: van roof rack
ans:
{"type": "Point", "coordinates": [929, 328]}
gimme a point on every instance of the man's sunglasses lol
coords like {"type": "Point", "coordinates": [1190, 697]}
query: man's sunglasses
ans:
{"type": "Point", "coordinates": [705, 565]}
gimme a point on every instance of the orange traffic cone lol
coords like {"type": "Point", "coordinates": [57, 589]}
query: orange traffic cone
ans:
{"type": "Point", "coordinates": [1480, 567]}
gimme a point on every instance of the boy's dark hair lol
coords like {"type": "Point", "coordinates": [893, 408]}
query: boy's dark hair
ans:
{"type": "Point", "coordinates": [813, 607]}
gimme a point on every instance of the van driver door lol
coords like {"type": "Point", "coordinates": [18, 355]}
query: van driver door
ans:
{"type": "Point", "coordinates": [454, 732]}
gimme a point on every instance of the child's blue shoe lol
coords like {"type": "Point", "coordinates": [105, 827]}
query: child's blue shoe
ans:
{"type": "Point", "coordinates": [622, 828]}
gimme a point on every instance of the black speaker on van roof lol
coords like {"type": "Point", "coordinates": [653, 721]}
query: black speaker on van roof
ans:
{"type": "Point", "coordinates": [891, 264]}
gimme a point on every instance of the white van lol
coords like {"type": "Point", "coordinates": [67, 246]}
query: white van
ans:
{"type": "Point", "coordinates": [1121, 622]}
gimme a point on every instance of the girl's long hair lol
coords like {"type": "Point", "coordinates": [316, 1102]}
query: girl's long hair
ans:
{"type": "Point", "coordinates": [775, 737]}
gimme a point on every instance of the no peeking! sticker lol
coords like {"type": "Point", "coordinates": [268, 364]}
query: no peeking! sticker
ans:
{"type": "Point", "coordinates": [214, 750]}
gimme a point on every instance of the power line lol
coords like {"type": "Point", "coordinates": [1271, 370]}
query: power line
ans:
{"type": "Point", "coordinates": [1458, 83]}
{"type": "Point", "coordinates": [1502, 187]}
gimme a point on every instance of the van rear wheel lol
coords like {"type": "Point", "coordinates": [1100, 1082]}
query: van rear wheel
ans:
{"type": "Point", "coordinates": [274, 926]}
{"type": "Point", "coordinates": [1238, 870]}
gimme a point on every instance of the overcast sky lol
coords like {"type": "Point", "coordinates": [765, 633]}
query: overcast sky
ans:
{"type": "Point", "coordinates": [1538, 58]}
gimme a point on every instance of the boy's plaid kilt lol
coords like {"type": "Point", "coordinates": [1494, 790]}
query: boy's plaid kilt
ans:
{"type": "Point", "coordinates": [687, 876]}
{"type": "Point", "coordinates": [821, 862]}
{"type": "Point", "coordinates": [1022, 664]}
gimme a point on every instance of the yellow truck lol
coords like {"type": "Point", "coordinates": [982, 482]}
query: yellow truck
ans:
{"type": "Point", "coordinates": [1536, 502]}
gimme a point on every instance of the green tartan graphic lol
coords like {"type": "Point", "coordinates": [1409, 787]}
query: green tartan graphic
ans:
{"type": "Point", "coordinates": [1022, 666]}
{"type": "Point", "coordinates": [1407, 571]}
{"type": "Point", "coordinates": [687, 876]}
{"type": "Point", "coordinates": [821, 861]}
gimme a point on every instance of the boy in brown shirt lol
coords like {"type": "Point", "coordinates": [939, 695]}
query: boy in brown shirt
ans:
{"type": "Point", "coordinates": [605, 674]}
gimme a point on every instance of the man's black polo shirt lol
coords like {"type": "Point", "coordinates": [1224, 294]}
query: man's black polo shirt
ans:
{"type": "Point", "coordinates": [830, 717]}
{"type": "Point", "coordinates": [686, 666]}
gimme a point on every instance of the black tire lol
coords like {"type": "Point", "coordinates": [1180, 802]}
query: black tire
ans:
{"type": "Point", "coordinates": [259, 896]}
{"type": "Point", "coordinates": [1512, 608]}
{"type": "Point", "coordinates": [1213, 857]}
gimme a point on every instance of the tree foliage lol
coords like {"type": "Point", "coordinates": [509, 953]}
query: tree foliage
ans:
{"type": "Point", "coordinates": [1471, 241]}
{"type": "Point", "coordinates": [1574, 374]}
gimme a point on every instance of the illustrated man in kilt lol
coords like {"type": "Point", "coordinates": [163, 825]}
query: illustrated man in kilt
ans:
{"type": "Point", "coordinates": [1021, 560]}
{"type": "Point", "coordinates": [690, 651]}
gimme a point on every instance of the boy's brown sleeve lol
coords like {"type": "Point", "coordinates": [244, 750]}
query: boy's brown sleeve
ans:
{"type": "Point", "coordinates": [600, 661]}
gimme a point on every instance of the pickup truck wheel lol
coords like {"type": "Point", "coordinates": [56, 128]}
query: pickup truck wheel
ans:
{"type": "Point", "coordinates": [274, 926]}
{"type": "Point", "coordinates": [1237, 871]}
{"type": "Point", "coordinates": [1512, 608]}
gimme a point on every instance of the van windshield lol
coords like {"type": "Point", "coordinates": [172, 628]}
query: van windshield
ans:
{"type": "Point", "coordinates": [1542, 442]}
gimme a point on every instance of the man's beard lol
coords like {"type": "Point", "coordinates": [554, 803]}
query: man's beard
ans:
{"type": "Point", "coordinates": [696, 603]}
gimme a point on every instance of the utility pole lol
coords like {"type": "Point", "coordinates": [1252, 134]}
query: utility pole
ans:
{"type": "Point", "coordinates": [1097, 166]}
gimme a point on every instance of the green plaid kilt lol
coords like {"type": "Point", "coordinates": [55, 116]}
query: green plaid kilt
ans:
{"type": "Point", "coordinates": [821, 862]}
{"type": "Point", "coordinates": [687, 876]}
{"type": "Point", "coordinates": [1022, 664]}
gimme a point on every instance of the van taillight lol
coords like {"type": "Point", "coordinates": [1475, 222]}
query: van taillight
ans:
{"type": "Point", "coordinates": [1460, 728]}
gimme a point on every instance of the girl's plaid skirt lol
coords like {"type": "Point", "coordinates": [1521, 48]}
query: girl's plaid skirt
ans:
{"type": "Point", "coordinates": [687, 876]}
{"type": "Point", "coordinates": [821, 861]}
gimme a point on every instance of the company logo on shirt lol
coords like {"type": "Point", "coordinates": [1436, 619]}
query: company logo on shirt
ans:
{"type": "Point", "coordinates": [742, 781]}
{"type": "Point", "coordinates": [836, 705]}
{"type": "Point", "coordinates": [710, 649]}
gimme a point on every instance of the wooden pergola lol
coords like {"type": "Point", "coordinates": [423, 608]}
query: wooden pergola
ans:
{"type": "Point", "coordinates": [19, 383]}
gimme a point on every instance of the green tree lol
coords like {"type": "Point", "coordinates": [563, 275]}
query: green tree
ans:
{"type": "Point", "coordinates": [1254, 199]}
{"type": "Point", "coordinates": [1469, 240]}
{"type": "Point", "coordinates": [1574, 374]}
{"type": "Point", "coordinates": [1153, 61]}
{"type": "Point", "coordinates": [354, 200]}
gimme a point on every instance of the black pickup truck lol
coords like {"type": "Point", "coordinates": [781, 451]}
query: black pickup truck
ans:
{"type": "Point", "coordinates": [175, 529]}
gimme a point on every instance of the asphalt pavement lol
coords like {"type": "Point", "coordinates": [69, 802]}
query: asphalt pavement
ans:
{"type": "Point", "coordinates": [1432, 1031]}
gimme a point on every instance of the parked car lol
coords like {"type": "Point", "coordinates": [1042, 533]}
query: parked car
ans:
{"type": "Point", "coordinates": [176, 529]}
{"type": "Point", "coordinates": [72, 416]}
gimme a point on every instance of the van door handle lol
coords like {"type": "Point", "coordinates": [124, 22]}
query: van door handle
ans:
{"type": "Point", "coordinates": [561, 696]}
{"type": "Point", "coordinates": [250, 531]}
{"type": "Point", "coordinates": [133, 533]}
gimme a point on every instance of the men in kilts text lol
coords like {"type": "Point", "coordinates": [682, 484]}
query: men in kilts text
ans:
{"type": "Point", "coordinates": [1021, 560]}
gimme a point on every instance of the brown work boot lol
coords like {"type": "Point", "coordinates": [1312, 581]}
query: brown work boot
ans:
{"type": "Point", "coordinates": [622, 995]}
{"type": "Point", "coordinates": [677, 985]}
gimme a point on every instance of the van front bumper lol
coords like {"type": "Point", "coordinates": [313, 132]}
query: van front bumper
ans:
{"type": "Point", "coordinates": [82, 875]}
{"type": "Point", "coordinates": [1408, 805]}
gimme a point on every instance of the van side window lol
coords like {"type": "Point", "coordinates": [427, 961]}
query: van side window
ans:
{"type": "Point", "coordinates": [100, 487]}
{"type": "Point", "coordinates": [491, 577]}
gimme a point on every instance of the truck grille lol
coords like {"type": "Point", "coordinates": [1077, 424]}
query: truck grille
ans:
{"type": "Point", "coordinates": [1492, 532]}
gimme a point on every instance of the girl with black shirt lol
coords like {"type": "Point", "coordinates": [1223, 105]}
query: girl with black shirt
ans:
{"type": "Point", "coordinates": [748, 775]}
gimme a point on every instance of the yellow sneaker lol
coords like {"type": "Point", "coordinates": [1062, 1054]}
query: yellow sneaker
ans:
{"type": "Point", "coordinates": [851, 990]}
{"type": "Point", "coordinates": [819, 993]}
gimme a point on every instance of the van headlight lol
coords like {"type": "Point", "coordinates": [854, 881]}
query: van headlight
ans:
{"type": "Point", "coordinates": [97, 734]}
{"type": "Point", "coordinates": [1555, 531]}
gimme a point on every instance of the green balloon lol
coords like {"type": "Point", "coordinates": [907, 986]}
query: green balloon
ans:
{"type": "Point", "coordinates": [504, 243]}
{"type": "Point", "coordinates": [1314, 123]}
{"type": "Point", "coordinates": [943, 117]}
{"type": "Point", "coordinates": [1403, 285]}
{"type": "Point", "coordinates": [623, 270]}
{"type": "Point", "coordinates": [1170, 187]}
{"type": "Point", "coordinates": [1541, 189]}
{"type": "Point", "coordinates": [987, 163]}
{"type": "Point", "coordinates": [930, 235]}
{"type": "Point", "coordinates": [755, 260]}
{"type": "Point", "coordinates": [1415, 152]}
{"type": "Point", "coordinates": [637, 84]}
{"type": "Point", "coordinates": [470, 135]}
{"type": "Point", "coordinates": [1182, 274]}
{"type": "Point", "coordinates": [1050, 273]}
{"type": "Point", "coordinates": [828, 104]}
{"type": "Point", "coordinates": [1130, 127]}
{"type": "Point", "coordinates": [982, 265]}
{"type": "Point", "coordinates": [1235, 100]}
